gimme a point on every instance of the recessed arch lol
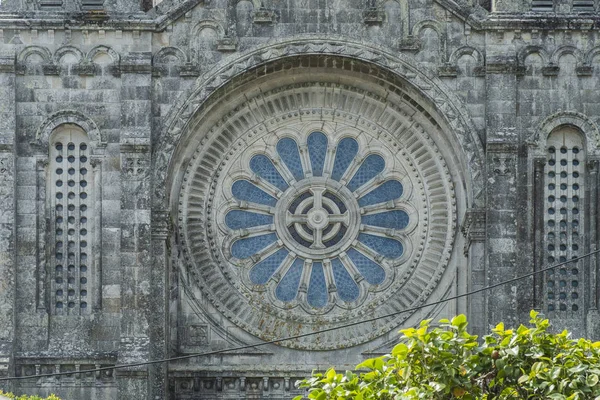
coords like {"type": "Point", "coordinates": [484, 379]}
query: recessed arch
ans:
{"type": "Point", "coordinates": [527, 50]}
{"type": "Point", "coordinates": [246, 105]}
{"type": "Point", "coordinates": [68, 51]}
{"type": "Point", "coordinates": [566, 118]}
{"type": "Point", "coordinates": [102, 51]}
{"type": "Point", "coordinates": [164, 54]}
{"type": "Point", "coordinates": [29, 51]}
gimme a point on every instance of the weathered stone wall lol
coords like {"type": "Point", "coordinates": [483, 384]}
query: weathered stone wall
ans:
{"type": "Point", "coordinates": [153, 91]}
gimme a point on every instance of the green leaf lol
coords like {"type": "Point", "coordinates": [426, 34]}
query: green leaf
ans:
{"type": "Point", "coordinates": [512, 351]}
{"type": "Point", "coordinates": [460, 321]}
{"type": "Point", "coordinates": [437, 386]}
{"type": "Point", "coordinates": [399, 350]}
{"type": "Point", "coordinates": [321, 396]}
{"type": "Point", "coordinates": [330, 374]}
{"type": "Point", "coordinates": [591, 380]}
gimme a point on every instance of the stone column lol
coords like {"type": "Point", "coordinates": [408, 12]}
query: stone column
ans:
{"type": "Point", "coordinates": [474, 230]}
{"type": "Point", "coordinates": [158, 303]}
{"type": "Point", "coordinates": [7, 213]}
{"type": "Point", "coordinates": [538, 199]}
{"type": "Point", "coordinates": [593, 316]}
{"type": "Point", "coordinates": [136, 259]}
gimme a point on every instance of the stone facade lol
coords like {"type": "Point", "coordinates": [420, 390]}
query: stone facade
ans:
{"type": "Point", "coordinates": [206, 175]}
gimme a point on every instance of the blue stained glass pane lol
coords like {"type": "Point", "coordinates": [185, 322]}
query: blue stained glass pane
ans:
{"type": "Point", "coordinates": [389, 190]}
{"type": "Point", "coordinates": [369, 269]}
{"type": "Point", "coordinates": [387, 247]}
{"type": "Point", "coordinates": [344, 154]}
{"type": "Point", "coordinates": [262, 272]}
{"type": "Point", "coordinates": [247, 191]}
{"type": "Point", "coordinates": [244, 248]}
{"type": "Point", "coordinates": [288, 286]}
{"type": "Point", "coordinates": [396, 219]}
{"type": "Point", "coordinates": [238, 219]}
{"type": "Point", "coordinates": [288, 151]}
{"type": "Point", "coordinates": [317, 288]}
{"type": "Point", "coordinates": [317, 150]}
{"type": "Point", "coordinates": [371, 166]}
{"type": "Point", "coordinates": [346, 287]}
{"type": "Point", "coordinates": [263, 167]}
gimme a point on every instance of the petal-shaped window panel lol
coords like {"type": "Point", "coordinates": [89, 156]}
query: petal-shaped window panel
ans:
{"type": "Point", "coordinates": [317, 288]}
{"type": "Point", "coordinates": [346, 287]}
{"type": "Point", "coordinates": [288, 151]}
{"type": "Point", "coordinates": [263, 167]}
{"type": "Point", "coordinates": [344, 154]}
{"type": "Point", "coordinates": [370, 167]}
{"type": "Point", "coordinates": [389, 190]}
{"type": "Point", "coordinates": [288, 286]}
{"type": "Point", "coordinates": [317, 150]}
{"type": "Point", "coordinates": [247, 247]}
{"type": "Point", "coordinates": [386, 247]}
{"type": "Point", "coordinates": [264, 270]}
{"type": "Point", "coordinates": [369, 269]}
{"type": "Point", "coordinates": [246, 191]}
{"type": "Point", "coordinates": [239, 219]}
{"type": "Point", "coordinates": [396, 219]}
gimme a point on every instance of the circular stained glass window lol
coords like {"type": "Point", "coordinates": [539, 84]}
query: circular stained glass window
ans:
{"type": "Point", "coordinates": [304, 224]}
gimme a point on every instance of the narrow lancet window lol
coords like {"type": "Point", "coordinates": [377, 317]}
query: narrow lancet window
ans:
{"type": "Point", "coordinates": [563, 226]}
{"type": "Point", "coordinates": [71, 221]}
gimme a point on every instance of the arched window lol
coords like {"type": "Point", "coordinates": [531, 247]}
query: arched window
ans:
{"type": "Point", "coordinates": [563, 222]}
{"type": "Point", "coordinates": [70, 187]}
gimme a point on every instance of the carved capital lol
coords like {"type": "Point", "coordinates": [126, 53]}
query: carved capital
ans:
{"type": "Point", "coordinates": [373, 16]}
{"type": "Point", "coordinates": [264, 16]}
{"type": "Point", "coordinates": [473, 227]}
{"type": "Point", "coordinates": [227, 44]}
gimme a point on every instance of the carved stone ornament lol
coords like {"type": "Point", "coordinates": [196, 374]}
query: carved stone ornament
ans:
{"type": "Point", "coordinates": [298, 219]}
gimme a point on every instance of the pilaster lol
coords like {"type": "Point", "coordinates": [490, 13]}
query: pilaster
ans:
{"type": "Point", "coordinates": [473, 229]}
{"type": "Point", "coordinates": [7, 213]}
{"type": "Point", "coordinates": [158, 303]}
{"type": "Point", "coordinates": [136, 251]}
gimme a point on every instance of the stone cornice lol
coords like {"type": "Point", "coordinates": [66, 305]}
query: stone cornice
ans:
{"type": "Point", "coordinates": [540, 21]}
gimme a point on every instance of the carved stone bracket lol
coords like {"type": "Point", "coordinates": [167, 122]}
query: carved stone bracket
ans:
{"type": "Point", "coordinates": [473, 227]}
{"type": "Point", "coordinates": [227, 44]}
{"type": "Point", "coordinates": [550, 70]}
{"type": "Point", "coordinates": [7, 63]}
{"type": "Point", "coordinates": [448, 71]}
{"type": "Point", "coordinates": [160, 224]}
{"type": "Point", "coordinates": [4, 364]}
{"type": "Point", "coordinates": [189, 69]}
{"type": "Point", "coordinates": [409, 43]}
{"type": "Point", "coordinates": [264, 16]}
{"type": "Point", "coordinates": [584, 70]}
{"type": "Point", "coordinates": [373, 16]}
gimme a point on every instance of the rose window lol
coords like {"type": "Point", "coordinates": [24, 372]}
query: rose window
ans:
{"type": "Point", "coordinates": [315, 220]}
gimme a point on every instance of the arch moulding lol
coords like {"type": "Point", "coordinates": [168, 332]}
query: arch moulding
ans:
{"type": "Point", "coordinates": [446, 104]}
{"type": "Point", "coordinates": [62, 117]}
{"type": "Point", "coordinates": [573, 118]}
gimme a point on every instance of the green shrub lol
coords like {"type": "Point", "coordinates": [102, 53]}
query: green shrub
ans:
{"type": "Point", "coordinates": [446, 362]}
{"type": "Point", "coordinates": [25, 397]}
